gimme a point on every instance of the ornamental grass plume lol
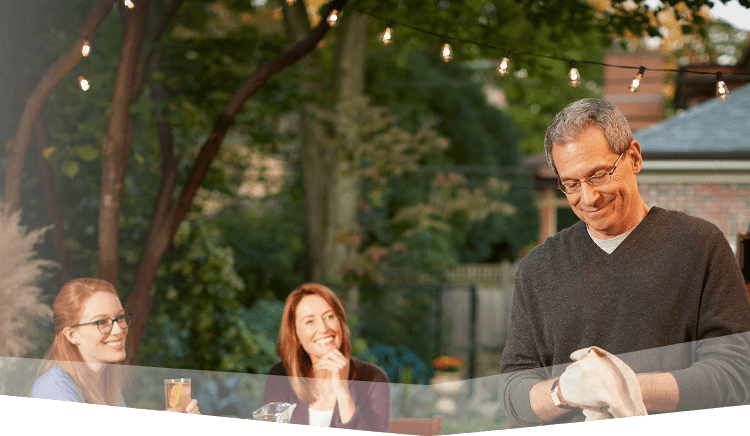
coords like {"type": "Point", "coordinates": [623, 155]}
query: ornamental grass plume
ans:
{"type": "Point", "coordinates": [20, 275]}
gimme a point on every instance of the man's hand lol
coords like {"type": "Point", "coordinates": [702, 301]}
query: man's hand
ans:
{"type": "Point", "coordinates": [599, 380]}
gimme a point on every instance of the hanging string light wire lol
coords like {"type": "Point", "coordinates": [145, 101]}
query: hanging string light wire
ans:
{"type": "Point", "coordinates": [525, 53]}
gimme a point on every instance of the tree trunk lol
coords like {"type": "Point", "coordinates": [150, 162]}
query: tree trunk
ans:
{"type": "Point", "coordinates": [47, 181]}
{"type": "Point", "coordinates": [116, 149]}
{"type": "Point", "coordinates": [318, 166]}
{"type": "Point", "coordinates": [139, 300]}
{"type": "Point", "coordinates": [349, 79]}
{"type": "Point", "coordinates": [17, 146]}
{"type": "Point", "coordinates": [318, 155]}
{"type": "Point", "coordinates": [159, 236]}
{"type": "Point", "coordinates": [331, 191]}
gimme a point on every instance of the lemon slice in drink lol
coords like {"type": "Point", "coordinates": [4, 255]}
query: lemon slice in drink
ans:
{"type": "Point", "coordinates": [174, 395]}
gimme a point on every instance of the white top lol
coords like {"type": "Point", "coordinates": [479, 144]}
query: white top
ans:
{"type": "Point", "coordinates": [320, 418]}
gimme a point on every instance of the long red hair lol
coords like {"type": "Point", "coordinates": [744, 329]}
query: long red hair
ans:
{"type": "Point", "coordinates": [67, 308]}
{"type": "Point", "coordinates": [296, 361]}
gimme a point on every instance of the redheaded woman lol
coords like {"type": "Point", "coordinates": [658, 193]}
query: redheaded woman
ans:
{"type": "Point", "coordinates": [90, 331]}
{"type": "Point", "coordinates": [331, 388]}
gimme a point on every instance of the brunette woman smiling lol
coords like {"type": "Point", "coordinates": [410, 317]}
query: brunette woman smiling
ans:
{"type": "Point", "coordinates": [90, 331]}
{"type": "Point", "coordinates": [317, 372]}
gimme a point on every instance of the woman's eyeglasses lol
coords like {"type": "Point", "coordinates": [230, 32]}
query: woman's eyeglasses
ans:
{"type": "Point", "coordinates": [105, 325]}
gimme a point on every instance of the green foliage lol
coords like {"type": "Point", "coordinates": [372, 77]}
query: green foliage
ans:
{"type": "Point", "coordinates": [197, 321]}
{"type": "Point", "coordinates": [397, 323]}
{"type": "Point", "coordinates": [414, 224]}
{"type": "Point", "coordinates": [401, 364]}
{"type": "Point", "coordinates": [533, 98]}
{"type": "Point", "coordinates": [493, 206]}
{"type": "Point", "coordinates": [269, 246]}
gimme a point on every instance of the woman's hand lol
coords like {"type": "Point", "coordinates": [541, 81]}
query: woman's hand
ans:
{"type": "Point", "coordinates": [336, 366]}
{"type": "Point", "coordinates": [192, 407]}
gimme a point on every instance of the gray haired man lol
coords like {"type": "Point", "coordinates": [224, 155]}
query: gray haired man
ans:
{"type": "Point", "coordinates": [657, 288]}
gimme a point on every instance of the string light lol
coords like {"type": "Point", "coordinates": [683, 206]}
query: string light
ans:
{"type": "Point", "coordinates": [502, 69]}
{"type": "Point", "coordinates": [574, 75]}
{"type": "Point", "coordinates": [387, 35]}
{"type": "Point", "coordinates": [333, 18]}
{"type": "Point", "coordinates": [129, 4]}
{"type": "Point", "coordinates": [636, 83]}
{"type": "Point", "coordinates": [290, 2]}
{"type": "Point", "coordinates": [446, 52]}
{"type": "Point", "coordinates": [86, 48]}
{"type": "Point", "coordinates": [83, 83]}
{"type": "Point", "coordinates": [721, 88]}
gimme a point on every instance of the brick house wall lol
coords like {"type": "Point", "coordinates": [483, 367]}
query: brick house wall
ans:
{"type": "Point", "coordinates": [725, 204]}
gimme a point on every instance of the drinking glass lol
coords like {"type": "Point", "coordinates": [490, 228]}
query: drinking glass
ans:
{"type": "Point", "coordinates": [177, 394]}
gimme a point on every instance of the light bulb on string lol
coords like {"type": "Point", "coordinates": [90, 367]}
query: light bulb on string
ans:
{"type": "Point", "coordinates": [636, 83]}
{"type": "Point", "coordinates": [504, 66]}
{"type": "Point", "coordinates": [721, 88]}
{"type": "Point", "coordinates": [446, 52]}
{"type": "Point", "coordinates": [290, 2]}
{"type": "Point", "coordinates": [333, 18]}
{"type": "Point", "coordinates": [83, 83]}
{"type": "Point", "coordinates": [387, 35]}
{"type": "Point", "coordinates": [129, 4]}
{"type": "Point", "coordinates": [86, 49]}
{"type": "Point", "coordinates": [574, 75]}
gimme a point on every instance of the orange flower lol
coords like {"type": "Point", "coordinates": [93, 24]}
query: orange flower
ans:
{"type": "Point", "coordinates": [447, 363]}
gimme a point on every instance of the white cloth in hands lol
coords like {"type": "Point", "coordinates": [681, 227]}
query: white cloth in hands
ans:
{"type": "Point", "coordinates": [602, 384]}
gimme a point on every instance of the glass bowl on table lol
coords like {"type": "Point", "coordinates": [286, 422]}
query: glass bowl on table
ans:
{"type": "Point", "coordinates": [275, 412]}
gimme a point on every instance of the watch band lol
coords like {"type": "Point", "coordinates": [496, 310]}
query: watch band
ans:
{"type": "Point", "coordinates": [557, 398]}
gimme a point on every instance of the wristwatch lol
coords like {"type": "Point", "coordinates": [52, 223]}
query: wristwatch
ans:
{"type": "Point", "coordinates": [557, 398]}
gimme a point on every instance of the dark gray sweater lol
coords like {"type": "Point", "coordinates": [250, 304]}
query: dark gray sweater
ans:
{"type": "Point", "coordinates": [670, 298]}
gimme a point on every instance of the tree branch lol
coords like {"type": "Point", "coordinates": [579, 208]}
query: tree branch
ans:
{"type": "Point", "coordinates": [116, 148]}
{"type": "Point", "coordinates": [246, 90]}
{"type": "Point", "coordinates": [139, 300]}
{"type": "Point", "coordinates": [47, 181]}
{"type": "Point", "coordinates": [18, 145]}
{"type": "Point", "coordinates": [160, 29]}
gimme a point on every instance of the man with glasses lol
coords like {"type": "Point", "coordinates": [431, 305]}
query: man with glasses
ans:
{"type": "Point", "coordinates": [658, 288]}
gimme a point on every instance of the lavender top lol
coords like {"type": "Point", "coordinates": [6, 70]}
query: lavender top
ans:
{"type": "Point", "coordinates": [56, 384]}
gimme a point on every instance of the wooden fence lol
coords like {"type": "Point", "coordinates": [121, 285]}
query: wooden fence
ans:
{"type": "Point", "coordinates": [475, 315]}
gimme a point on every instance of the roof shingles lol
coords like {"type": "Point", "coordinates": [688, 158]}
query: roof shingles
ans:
{"type": "Point", "coordinates": [714, 127]}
